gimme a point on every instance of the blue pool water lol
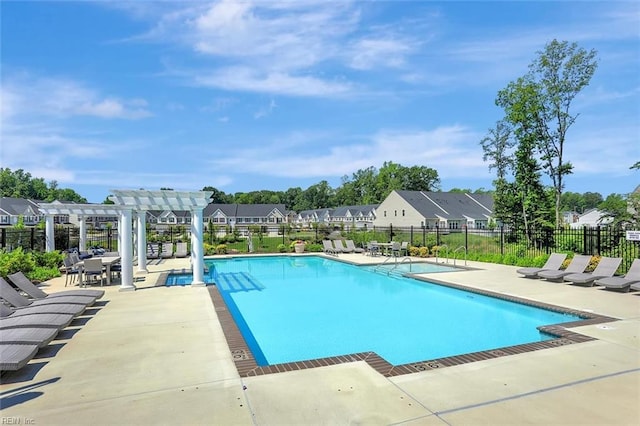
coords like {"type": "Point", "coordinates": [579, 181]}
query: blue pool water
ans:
{"type": "Point", "coordinates": [411, 268]}
{"type": "Point", "coordinates": [298, 308]}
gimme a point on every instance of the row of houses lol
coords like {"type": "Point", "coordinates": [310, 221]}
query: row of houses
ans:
{"type": "Point", "coordinates": [448, 210]}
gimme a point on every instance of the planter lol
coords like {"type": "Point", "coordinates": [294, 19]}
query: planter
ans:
{"type": "Point", "coordinates": [299, 248]}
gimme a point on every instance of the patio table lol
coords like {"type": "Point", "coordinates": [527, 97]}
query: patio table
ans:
{"type": "Point", "coordinates": [107, 261]}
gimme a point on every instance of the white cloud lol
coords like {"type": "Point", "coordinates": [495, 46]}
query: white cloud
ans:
{"type": "Point", "coordinates": [451, 150]}
{"type": "Point", "coordinates": [248, 79]}
{"type": "Point", "coordinates": [47, 96]}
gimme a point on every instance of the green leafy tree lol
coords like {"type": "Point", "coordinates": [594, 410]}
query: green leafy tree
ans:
{"type": "Point", "coordinates": [537, 106]}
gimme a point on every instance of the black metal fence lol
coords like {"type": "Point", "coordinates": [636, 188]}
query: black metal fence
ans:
{"type": "Point", "coordinates": [503, 242]}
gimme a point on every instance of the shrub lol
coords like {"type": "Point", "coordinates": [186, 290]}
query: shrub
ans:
{"type": "Point", "coordinates": [16, 260]}
{"type": "Point", "coordinates": [423, 252]}
{"type": "Point", "coordinates": [43, 273]}
{"type": "Point", "coordinates": [315, 248]}
{"type": "Point", "coordinates": [281, 248]}
{"type": "Point", "coordinates": [221, 249]}
{"type": "Point", "coordinates": [209, 249]}
{"type": "Point", "coordinates": [52, 259]}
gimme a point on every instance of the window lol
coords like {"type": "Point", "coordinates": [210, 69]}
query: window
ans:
{"type": "Point", "coordinates": [395, 213]}
{"type": "Point", "coordinates": [385, 213]}
{"type": "Point", "coordinates": [402, 212]}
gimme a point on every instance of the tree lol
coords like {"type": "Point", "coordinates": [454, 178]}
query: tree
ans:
{"type": "Point", "coordinates": [560, 72]}
{"type": "Point", "coordinates": [538, 104]}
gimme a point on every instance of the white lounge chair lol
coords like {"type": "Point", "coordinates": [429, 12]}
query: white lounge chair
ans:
{"type": "Point", "coordinates": [352, 246]}
{"type": "Point", "coordinates": [340, 247]}
{"type": "Point", "coordinates": [181, 249]}
{"type": "Point", "coordinates": [167, 250]}
{"type": "Point", "coordinates": [623, 284]}
{"type": "Point", "coordinates": [328, 248]}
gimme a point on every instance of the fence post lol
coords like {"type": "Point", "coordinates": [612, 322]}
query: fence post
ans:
{"type": "Point", "coordinates": [390, 232]}
{"type": "Point", "coordinates": [598, 241]}
{"type": "Point", "coordinates": [424, 236]}
{"type": "Point", "coordinates": [466, 238]}
{"type": "Point", "coordinates": [3, 238]}
{"type": "Point", "coordinates": [437, 235]}
{"type": "Point", "coordinates": [501, 240]}
{"type": "Point", "coordinates": [33, 238]}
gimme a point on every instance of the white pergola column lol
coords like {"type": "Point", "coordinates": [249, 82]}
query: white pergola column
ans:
{"type": "Point", "coordinates": [49, 233]}
{"type": "Point", "coordinates": [83, 233]}
{"type": "Point", "coordinates": [126, 252]}
{"type": "Point", "coordinates": [197, 257]}
{"type": "Point", "coordinates": [142, 241]}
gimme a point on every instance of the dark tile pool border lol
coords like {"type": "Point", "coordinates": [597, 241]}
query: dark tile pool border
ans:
{"type": "Point", "coordinates": [246, 365]}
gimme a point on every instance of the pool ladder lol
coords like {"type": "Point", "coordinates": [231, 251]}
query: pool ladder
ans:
{"type": "Point", "coordinates": [454, 254]}
{"type": "Point", "coordinates": [389, 271]}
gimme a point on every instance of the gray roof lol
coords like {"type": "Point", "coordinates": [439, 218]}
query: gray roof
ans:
{"type": "Point", "coordinates": [449, 205]}
{"type": "Point", "coordinates": [18, 206]}
{"type": "Point", "coordinates": [244, 210]}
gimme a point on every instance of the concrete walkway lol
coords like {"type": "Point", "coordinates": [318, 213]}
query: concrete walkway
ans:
{"type": "Point", "coordinates": [158, 356]}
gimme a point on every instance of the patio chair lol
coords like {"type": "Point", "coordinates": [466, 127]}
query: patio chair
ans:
{"type": "Point", "coordinates": [69, 270]}
{"type": "Point", "coordinates": [24, 306]}
{"type": "Point", "coordinates": [404, 248]}
{"type": "Point", "coordinates": [340, 247]}
{"type": "Point", "coordinates": [93, 270]}
{"type": "Point", "coordinates": [9, 321]}
{"type": "Point", "coordinates": [352, 246]}
{"type": "Point", "coordinates": [623, 284]}
{"type": "Point", "coordinates": [38, 336]}
{"type": "Point", "coordinates": [167, 250]}
{"type": "Point", "coordinates": [394, 250]}
{"type": "Point", "coordinates": [578, 264]}
{"type": "Point", "coordinates": [606, 268]}
{"type": "Point", "coordinates": [553, 263]}
{"type": "Point", "coordinates": [181, 249]}
{"type": "Point", "coordinates": [14, 357]}
{"type": "Point", "coordinates": [23, 283]}
{"type": "Point", "coordinates": [373, 248]}
{"type": "Point", "coordinates": [328, 248]}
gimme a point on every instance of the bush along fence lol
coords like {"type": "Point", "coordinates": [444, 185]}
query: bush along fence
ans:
{"type": "Point", "coordinates": [499, 245]}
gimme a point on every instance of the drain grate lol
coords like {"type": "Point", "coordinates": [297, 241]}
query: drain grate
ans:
{"type": "Point", "coordinates": [239, 355]}
{"type": "Point", "coordinates": [424, 366]}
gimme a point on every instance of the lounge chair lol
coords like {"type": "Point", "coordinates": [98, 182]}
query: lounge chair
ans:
{"type": "Point", "coordinates": [29, 336]}
{"type": "Point", "coordinates": [153, 251]}
{"type": "Point", "coordinates": [23, 306]}
{"type": "Point", "coordinates": [352, 246]}
{"type": "Point", "coordinates": [11, 296]}
{"type": "Point", "coordinates": [340, 247]}
{"type": "Point", "coordinates": [606, 268]}
{"type": "Point", "coordinates": [167, 250]}
{"type": "Point", "coordinates": [25, 284]}
{"type": "Point", "coordinates": [328, 248]}
{"type": "Point", "coordinates": [553, 263]}
{"type": "Point", "coordinates": [8, 321]}
{"type": "Point", "coordinates": [578, 264]}
{"type": "Point", "coordinates": [14, 357]}
{"type": "Point", "coordinates": [181, 249]}
{"type": "Point", "coordinates": [625, 283]}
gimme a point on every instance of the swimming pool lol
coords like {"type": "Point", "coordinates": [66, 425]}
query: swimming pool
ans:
{"type": "Point", "coordinates": [410, 268]}
{"type": "Point", "coordinates": [299, 308]}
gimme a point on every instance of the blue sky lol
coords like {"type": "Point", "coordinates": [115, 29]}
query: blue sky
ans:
{"type": "Point", "coordinates": [255, 95]}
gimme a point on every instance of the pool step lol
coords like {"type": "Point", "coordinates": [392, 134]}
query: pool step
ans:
{"type": "Point", "coordinates": [237, 281]}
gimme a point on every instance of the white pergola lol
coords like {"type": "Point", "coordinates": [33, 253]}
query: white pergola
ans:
{"type": "Point", "coordinates": [128, 202]}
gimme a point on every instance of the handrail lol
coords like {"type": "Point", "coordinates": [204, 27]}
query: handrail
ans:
{"type": "Point", "coordinates": [438, 251]}
{"type": "Point", "coordinates": [380, 265]}
{"type": "Point", "coordinates": [410, 262]}
{"type": "Point", "coordinates": [465, 255]}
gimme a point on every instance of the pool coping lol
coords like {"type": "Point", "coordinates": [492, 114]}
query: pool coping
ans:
{"type": "Point", "coordinates": [247, 366]}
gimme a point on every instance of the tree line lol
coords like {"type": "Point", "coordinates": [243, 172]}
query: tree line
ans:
{"type": "Point", "coordinates": [20, 184]}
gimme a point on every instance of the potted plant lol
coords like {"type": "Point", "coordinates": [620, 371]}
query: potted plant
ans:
{"type": "Point", "coordinates": [298, 246]}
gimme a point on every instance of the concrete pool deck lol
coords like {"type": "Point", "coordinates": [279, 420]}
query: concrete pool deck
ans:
{"type": "Point", "coordinates": [159, 356]}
